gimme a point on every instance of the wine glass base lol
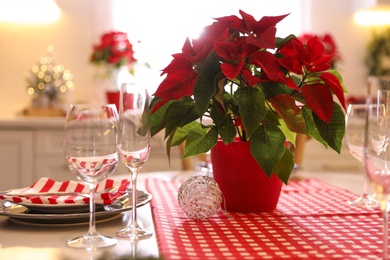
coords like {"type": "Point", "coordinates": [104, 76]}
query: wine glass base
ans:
{"type": "Point", "coordinates": [134, 233]}
{"type": "Point", "coordinates": [364, 201]}
{"type": "Point", "coordinates": [91, 242]}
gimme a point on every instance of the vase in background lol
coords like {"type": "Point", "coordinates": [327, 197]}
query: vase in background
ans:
{"type": "Point", "coordinates": [118, 77]}
{"type": "Point", "coordinates": [244, 185]}
{"type": "Point", "coordinates": [114, 53]}
{"type": "Point", "coordinates": [113, 98]}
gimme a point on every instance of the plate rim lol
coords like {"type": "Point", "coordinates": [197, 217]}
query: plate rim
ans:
{"type": "Point", "coordinates": [18, 221]}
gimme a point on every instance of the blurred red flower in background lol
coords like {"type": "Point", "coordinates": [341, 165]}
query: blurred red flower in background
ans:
{"type": "Point", "coordinates": [114, 49]}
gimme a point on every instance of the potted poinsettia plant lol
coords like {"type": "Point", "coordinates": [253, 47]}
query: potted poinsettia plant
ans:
{"type": "Point", "coordinates": [239, 80]}
{"type": "Point", "coordinates": [114, 53]}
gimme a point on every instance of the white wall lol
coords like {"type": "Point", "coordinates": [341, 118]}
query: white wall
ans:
{"type": "Point", "coordinates": [22, 46]}
{"type": "Point", "coordinates": [82, 23]}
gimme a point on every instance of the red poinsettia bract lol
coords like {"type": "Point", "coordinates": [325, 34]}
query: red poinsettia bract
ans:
{"type": "Point", "coordinates": [318, 85]}
{"type": "Point", "coordinates": [234, 40]}
{"type": "Point", "coordinates": [243, 43]}
{"type": "Point", "coordinates": [328, 42]}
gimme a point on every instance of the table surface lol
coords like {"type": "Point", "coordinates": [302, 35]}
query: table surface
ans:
{"type": "Point", "coordinates": [49, 242]}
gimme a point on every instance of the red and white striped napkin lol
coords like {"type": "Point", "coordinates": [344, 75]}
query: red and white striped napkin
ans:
{"type": "Point", "coordinates": [45, 185]}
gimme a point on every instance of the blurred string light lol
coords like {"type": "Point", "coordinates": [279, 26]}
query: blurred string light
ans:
{"type": "Point", "coordinates": [49, 79]}
{"type": "Point", "coordinates": [29, 11]}
{"type": "Point", "coordinates": [379, 14]}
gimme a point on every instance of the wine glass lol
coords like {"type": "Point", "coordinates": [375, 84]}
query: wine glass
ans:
{"type": "Point", "coordinates": [134, 146]}
{"type": "Point", "coordinates": [355, 121]}
{"type": "Point", "coordinates": [376, 156]}
{"type": "Point", "coordinates": [90, 139]}
{"type": "Point", "coordinates": [205, 167]}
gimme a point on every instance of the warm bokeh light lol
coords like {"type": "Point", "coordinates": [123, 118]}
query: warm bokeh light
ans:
{"type": "Point", "coordinates": [378, 15]}
{"type": "Point", "coordinates": [48, 78]}
{"type": "Point", "coordinates": [29, 11]}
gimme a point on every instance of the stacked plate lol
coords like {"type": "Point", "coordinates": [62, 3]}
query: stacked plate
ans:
{"type": "Point", "coordinates": [51, 202]}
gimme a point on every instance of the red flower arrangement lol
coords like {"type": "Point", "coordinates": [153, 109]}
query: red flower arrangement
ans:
{"type": "Point", "coordinates": [114, 49]}
{"type": "Point", "coordinates": [251, 84]}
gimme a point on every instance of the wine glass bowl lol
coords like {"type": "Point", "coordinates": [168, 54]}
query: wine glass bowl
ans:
{"type": "Point", "coordinates": [134, 146]}
{"type": "Point", "coordinates": [376, 156]}
{"type": "Point", "coordinates": [354, 130]}
{"type": "Point", "coordinates": [355, 124]}
{"type": "Point", "coordinates": [90, 139]}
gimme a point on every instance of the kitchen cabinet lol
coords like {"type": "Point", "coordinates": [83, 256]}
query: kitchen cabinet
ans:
{"type": "Point", "coordinates": [31, 148]}
{"type": "Point", "coordinates": [16, 158]}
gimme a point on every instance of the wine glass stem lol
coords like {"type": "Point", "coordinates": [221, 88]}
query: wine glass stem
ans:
{"type": "Point", "coordinates": [92, 224]}
{"type": "Point", "coordinates": [134, 175]}
{"type": "Point", "coordinates": [385, 228]}
{"type": "Point", "coordinates": [365, 184]}
{"type": "Point", "coordinates": [134, 246]}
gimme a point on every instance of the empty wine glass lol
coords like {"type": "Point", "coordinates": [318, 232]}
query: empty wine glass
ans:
{"type": "Point", "coordinates": [376, 155]}
{"type": "Point", "coordinates": [134, 146]}
{"type": "Point", "coordinates": [205, 167]}
{"type": "Point", "coordinates": [90, 139]}
{"type": "Point", "coordinates": [355, 121]}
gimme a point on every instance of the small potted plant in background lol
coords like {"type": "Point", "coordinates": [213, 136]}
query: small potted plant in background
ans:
{"type": "Point", "coordinates": [114, 53]}
{"type": "Point", "coordinates": [257, 91]}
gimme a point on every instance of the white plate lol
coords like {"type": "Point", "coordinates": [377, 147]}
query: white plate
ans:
{"type": "Point", "coordinates": [19, 212]}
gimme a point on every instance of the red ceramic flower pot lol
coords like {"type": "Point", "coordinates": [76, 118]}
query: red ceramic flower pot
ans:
{"type": "Point", "coordinates": [113, 98]}
{"type": "Point", "coordinates": [245, 186]}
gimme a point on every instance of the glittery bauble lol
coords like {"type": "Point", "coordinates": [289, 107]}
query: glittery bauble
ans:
{"type": "Point", "coordinates": [199, 197]}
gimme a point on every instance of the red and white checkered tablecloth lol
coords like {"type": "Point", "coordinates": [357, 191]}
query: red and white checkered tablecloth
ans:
{"type": "Point", "coordinates": [312, 221]}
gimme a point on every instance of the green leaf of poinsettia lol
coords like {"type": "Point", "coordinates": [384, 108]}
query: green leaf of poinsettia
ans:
{"type": "Point", "coordinates": [333, 132]}
{"type": "Point", "coordinates": [290, 136]}
{"type": "Point", "coordinates": [157, 119]}
{"type": "Point", "coordinates": [182, 133]}
{"type": "Point", "coordinates": [178, 114]}
{"type": "Point", "coordinates": [285, 166]}
{"type": "Point", "coordinates": [267, 146]}
{"type": "Point", "coordinates": [205, 87]}
{"type": "Point", "coordinates": [200, 140]}
{"type": "Point", "coordinates": [290, 112]}
{"type": "Point", "coordinates": [177, 137]}
{"type": "Point", "coordinates": [311, 127]}
{"type": "Point", "coordinates": [251, 103]}
{"type": "Point", "coordinates": [226, 129]}
{"type": "Point", "coordinates": [168, 148]}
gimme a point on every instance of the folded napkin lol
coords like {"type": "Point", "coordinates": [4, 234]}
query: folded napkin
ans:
{"type": "Point", "coordinates": [45, 185]}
